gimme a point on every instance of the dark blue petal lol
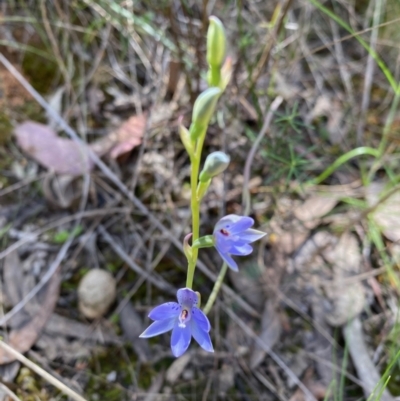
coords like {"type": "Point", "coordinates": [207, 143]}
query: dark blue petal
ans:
{"type": "Point", "coordinates": [251, 235]}
{"type": "Point", "coordinates": [229, 261]}
{"type": "Point", "coordinates": [241, 250]}
{"type": "Point", "coordinates": [165, 311]}
{"type": "Point", "coordinates": [202, 337]}
{"type": "Point", "coordinates": [187, 297]}
{"type": "Point", "coordinates": [158, 327]}
{"type": "Point", "coordinates": [201, 319]}
{"type": "Point", "coordinates": [180, 339]}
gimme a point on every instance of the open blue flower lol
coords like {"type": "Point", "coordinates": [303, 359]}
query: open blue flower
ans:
{"type": "Point", "coordinates": [184, 319]}
{"type": "Point", "coordinates": [232, 236]}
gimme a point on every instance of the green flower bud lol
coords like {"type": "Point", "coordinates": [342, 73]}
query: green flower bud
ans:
{"type": "Point", "coordinates": [216, 163]}
{"type": "Point", "coordinates": [204, 242]}
{"type": "Point", "coordinates": [216, 42]}
{"type": "Point", "coordinates": [187, 249]}
{"type": "Point", "coordinates": [202, 188]}
{"type": "Point", "coordinates": [203, 109]}
{"type": "Point", "coordinates": [185, 138]}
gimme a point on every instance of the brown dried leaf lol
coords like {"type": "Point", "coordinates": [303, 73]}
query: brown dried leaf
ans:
{"type": "Point", "coordinates": [61, 155]}
{"type": "Point", "coordinates": [24, 337]}
{"type": "Point", "coordinates": [124, 139]}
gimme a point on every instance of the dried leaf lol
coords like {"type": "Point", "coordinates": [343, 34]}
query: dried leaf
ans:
{"type": "Point", "coordinates": [123, 140]}
{"type": "Point", "coordinates": [387, 214]}
{"type": "Point", "coordinates": [62, 191]}
{"type": "Point", "coordinates": [61, 155]}
{"type": "Point", "coordinates": [24, 337]}
{"type": "Point", "coordinates": [345, 257]}
{"type": "Point", "coordinates": [132, 325]}
{"type": "Point", "coordinates": [347, 300]}
{"type": "Point", "coordinates": [308, 257]}
{"type": "Point", "coordinates": [271, 329]}
{"type": "Point", "coordinates": [313, 209]}
{"type": "Point", "coordinates": [366, 370]}
{"type": "Point", "coordinates": [58, 326]}
{"type": "Point", "coordinates": [177, 367]}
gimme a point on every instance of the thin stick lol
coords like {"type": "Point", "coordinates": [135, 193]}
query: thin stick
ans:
{"type": "Point", "coordinates": [216, 288]}
{"type": "Point", "coordinates": [369, 72]}
{"type": "Point", "coordinates": [6, 390]}
{"type": "Point", "coordinates": [249, 161]}
{"type": "Point", "coordinates": [38, 370]}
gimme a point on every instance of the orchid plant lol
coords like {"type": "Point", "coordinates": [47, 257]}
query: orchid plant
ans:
{"type": "Point", "coordinates": [232, 234]}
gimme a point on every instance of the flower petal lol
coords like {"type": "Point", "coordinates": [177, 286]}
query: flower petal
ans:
{"type": "Point", "coordinates": [240, 225]}
{"type": "Point", "coordinates": [226, 222]}
{"type": "Point", "coordinates": [201, 319]}
{"type": "Point", "coordinates": [229, 261]}
{"type": "Point", "coordinates": [165, 311]}
{"type": "Point", "coordinates": [187, 297]}
{"type": "Point", "coordinates": [158, 327]}
{"type": "Point", "coordinates": [223, 242]}
{"type": "Point", "coordinates": [241, 250]}
{"type": "Point", "coordinates": [234, 224]}
{"type": "Point", "coordinates": [180, 339]}
{"type": "Point", "coordinates": [251, 235]}
{"type": "Point", "coordinates": [202, 337]}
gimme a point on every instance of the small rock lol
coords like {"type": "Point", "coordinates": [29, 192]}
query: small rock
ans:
{"type": "Point", "coordinates": [96, 293]}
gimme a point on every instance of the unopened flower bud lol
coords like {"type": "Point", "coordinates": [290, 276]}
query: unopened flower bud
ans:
{"type": "Point", "coordinates": [216, 42]}
{"type": "Point", "coordinates": [216, 163]}
{"type": "Point", "coordinates": [204, 242]}
{"type": "Point", "coordinates": [187, 249]}
{"type": "Point", "coordinates": [185, 138]}
{"type": "Point", "coordinates": [203, 109]}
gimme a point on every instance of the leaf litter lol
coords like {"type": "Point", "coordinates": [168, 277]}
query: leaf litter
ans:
{"type": "Point", "coordinates": [24, 335]}
{"type": "Point", "coordinates": [64, 156]}
{"type": "Point", "coordinates": [309, 258]}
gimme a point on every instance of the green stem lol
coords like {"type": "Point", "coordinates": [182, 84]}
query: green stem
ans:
{"type": "Point", "coordinates": [363, 150]}
{"type": "Point", "coordinates": [195, 206]}
{"type": "Point", "coordinates": [214, 75]}
{"type": "Point", "coordinates": [215, 290]}
{"type": "Point", "coordinates": [389, 122]}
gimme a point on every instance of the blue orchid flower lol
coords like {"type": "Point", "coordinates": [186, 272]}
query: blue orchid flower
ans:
{"type": "Point", "coordinates": [232, 236]}
{"type": "Point", "coordinates": [185, 320]}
